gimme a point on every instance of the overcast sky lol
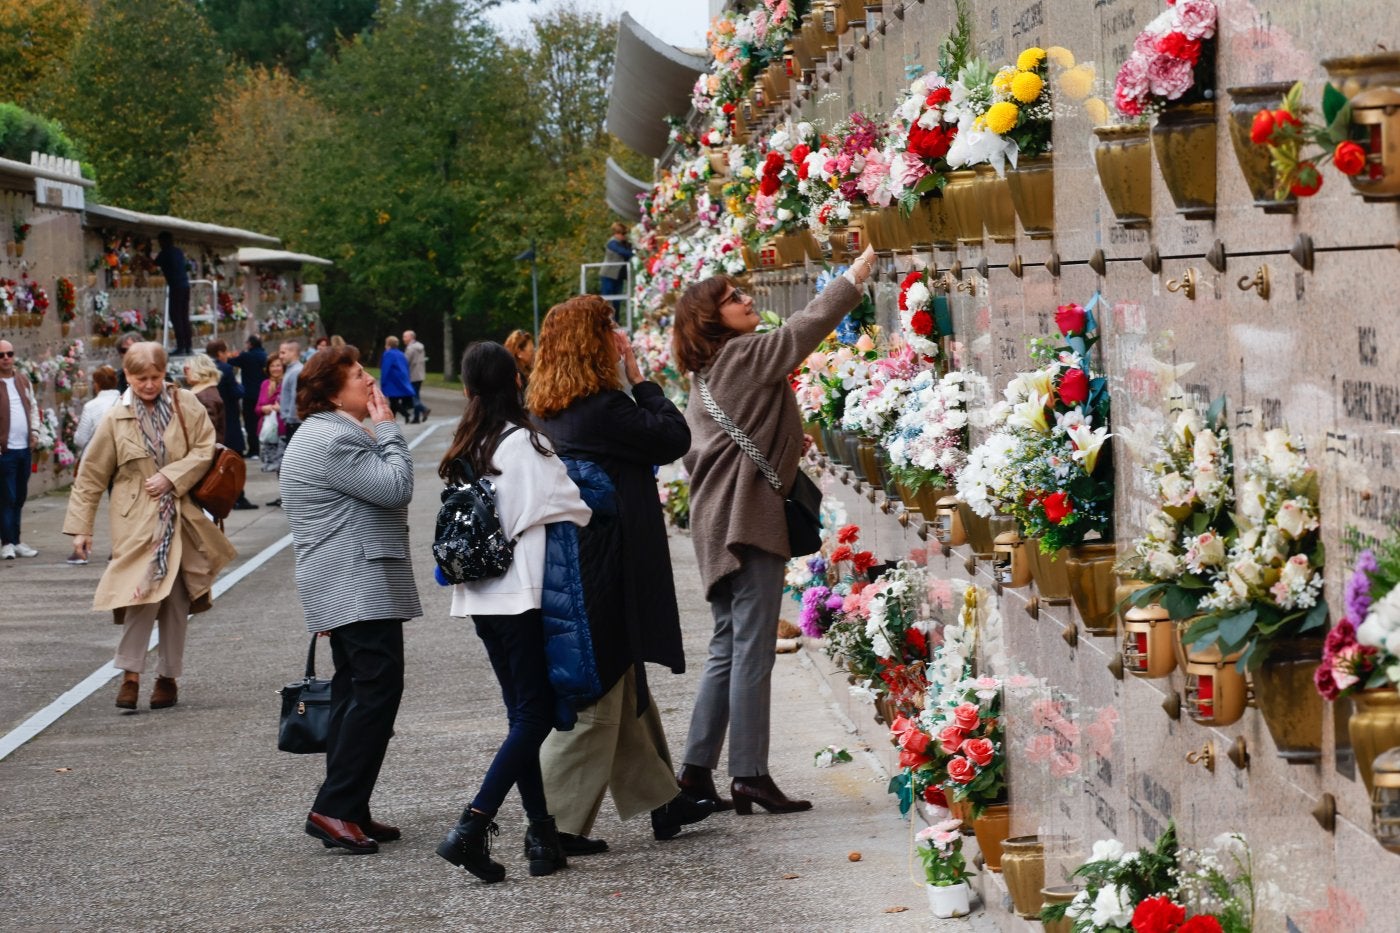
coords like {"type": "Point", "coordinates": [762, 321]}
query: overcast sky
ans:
{"type": "Point", "coordinates": [679, 22]}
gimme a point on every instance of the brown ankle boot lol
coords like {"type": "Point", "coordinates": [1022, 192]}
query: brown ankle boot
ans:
{"type": "Point", "coordinates": [698, 783]}
{"type": "Point", "coordinates": [762, 791]}
{"type": "Point", "coordinates": [165, 693]}
{"type": "Point", "coordinates": [127, 693]}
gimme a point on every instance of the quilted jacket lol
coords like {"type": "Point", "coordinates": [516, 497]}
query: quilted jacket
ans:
{"type": "Point", "coordinates": [573, 667]}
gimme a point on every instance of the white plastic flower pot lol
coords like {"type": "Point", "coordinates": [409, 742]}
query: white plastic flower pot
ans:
{"type": "Point", "coordinates": [948, 900]}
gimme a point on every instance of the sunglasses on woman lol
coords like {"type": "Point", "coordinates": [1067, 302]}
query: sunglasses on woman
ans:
{"type": "Point", "coordinates": [737, 295]}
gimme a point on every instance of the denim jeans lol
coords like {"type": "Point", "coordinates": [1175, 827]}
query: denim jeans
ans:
{"type": "Point", "coordinates": [515, 646]}
{"type": "Point", "coordinates": [14, 489]}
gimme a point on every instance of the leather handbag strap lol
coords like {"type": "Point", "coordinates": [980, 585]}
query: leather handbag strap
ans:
{"type": "Point", "coordinates": [740, 438]}
{"type": "Point", "coordinates": [311, 658]}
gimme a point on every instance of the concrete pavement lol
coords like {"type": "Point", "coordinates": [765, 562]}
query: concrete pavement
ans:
{"type": "Point", "coordinates": [191, 818]}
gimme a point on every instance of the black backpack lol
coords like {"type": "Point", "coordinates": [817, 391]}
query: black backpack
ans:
{"type": "Point", "coordinates": [470, 543]}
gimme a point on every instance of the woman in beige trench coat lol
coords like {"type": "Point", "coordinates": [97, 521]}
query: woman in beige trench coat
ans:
{"type": "Point", "coordinates": [153, 447]}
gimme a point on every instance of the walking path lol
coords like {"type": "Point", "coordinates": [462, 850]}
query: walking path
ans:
{"type": "Point", "coordinates": [190, 818]}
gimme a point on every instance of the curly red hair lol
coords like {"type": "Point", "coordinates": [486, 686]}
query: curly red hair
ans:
{"type": "Point", "coordinates": [575, 357]}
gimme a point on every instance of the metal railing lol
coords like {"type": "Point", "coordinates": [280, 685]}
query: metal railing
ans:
{"type": "Point", "coordinates": [625, 297]}
{"type": "Point", "coordinates": [211, 318]}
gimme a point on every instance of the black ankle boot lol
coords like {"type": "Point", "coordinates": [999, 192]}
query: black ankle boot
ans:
{"type": "Point", "coordinates": [468, 845]}
{"type": "Point", "coordinates": [543, 849]}
{"type": "Point", "coordinates": [666, 821]}
{"type": "Point", "coordinates": [698, 784]}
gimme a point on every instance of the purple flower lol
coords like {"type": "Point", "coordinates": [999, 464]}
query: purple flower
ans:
{"type": "Point", "coordinates": [1358, 590]}
{"type": "Point", "coordinates": [816, 566]}
{"type": "Point", "coordinates": [810, 619]}
{"type": "Point", "coordinates": [834, 602]}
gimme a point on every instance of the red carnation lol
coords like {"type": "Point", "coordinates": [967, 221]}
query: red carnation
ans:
{"type": "Point", "coordinates": [800, 152]}
{"type": "Point", "coordinates": [1202, 924]}
{"type": "Point", "coordinates": [933, 794]}
{"type": "Point", "coordinates": [1074, 387]}
{"type": "Point", "coordinates": [1283, 118]}
{"type": "Point", "coordinates": [863, 561]}
{"type": "Point", "coordinates": [847, 534]}
{"type": "Point", "coordinates": [769, 185]}
{"type": "Point", "coordinates": [841, 553]}
{"type": "Point", "coordinates": [1158, 915]}
{"type": "Point", "coordinates": [939, 95]}
{"type": "Point", "coordinates": [773, 163]}
{"type": "Point", "coordinates": [1058, 506]}
{"type": "Point", "coordinates": [728, 108]}
{"type": "Point", "coordinates": [930, 144]}
{"type": "Point", "coordinates": [1177, 45]}
{"type": "Point", "coordinates": [1262, 129]}
{"type": "Point", "coordinates": [916, 642]}
{"type": "Point", "coordinates": [1071, 319]}
{"type": "Point", "coordinates": [1349, 158]}
{"type": "Point", "coordinates": [921, 323]}
{"type": "Point", "coordinates": [980, 751]}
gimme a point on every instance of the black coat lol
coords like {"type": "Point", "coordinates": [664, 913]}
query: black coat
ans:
{"type": "Point", "coordinates": [251, 365]}
{"type": "Point", "coordinates": [231, 393]}
{"type": "Point", "coordinates": [626, 563]}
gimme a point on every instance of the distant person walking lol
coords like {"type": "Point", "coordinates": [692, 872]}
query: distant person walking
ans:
{"type": "Point", "coordinates": [151, 449]}
{"type": "Point", "coordinates": [269, 409]}
{"type": "Point", "coordinates": [232, 395]}
{"type": "Point", "coordinates": [346, 489]}
{"type": "Point", "coordinates": [175, 268]}
{"type": "Point", "coordinates": [417, 356]}
{"type": "Point", "coordinates": [104, 382]}
{"type": "Point", "coordinates": [616, 255]}
{"type": "Point", "coordinates": [290, 355]}
{"type": "Point", "coordinates": [393, 378]}
{"type": "Point", "coordinates": [19, 432]}
{"type": "Point", "coordinates": [252, 365]}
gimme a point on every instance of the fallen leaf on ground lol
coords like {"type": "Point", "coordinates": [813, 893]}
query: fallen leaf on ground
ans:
{"type": "Point", "coordinates": [895, 910]}
{"type": "Point", "coordinates": [790, 877]}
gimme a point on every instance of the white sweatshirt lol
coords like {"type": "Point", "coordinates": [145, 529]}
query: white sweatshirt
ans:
{"type": "Point", "coordinates": [532, 491]}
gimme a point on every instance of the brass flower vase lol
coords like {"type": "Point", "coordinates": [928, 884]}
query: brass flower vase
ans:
{"type": "Point", "coordinates": [1148, 642]}
{"type": "Point", "coordinates": [1124, 160]}
{"type": "Point", "coordinates": [1286, 698]}
{"type": "Point", "coordinates": [1023, 867]}
{"type": "Point", "coordinates": [1372, 84]}
{"type": "Point", "coordinates": [1010, 565]}
{"type": "Point", "coordinates": [1374, 727]}
{"type": "Point", "coordinates": [899, 228]}
{"type": "Point", "coordinates": [1059, 894]}
{"type": "Point", "coordinates": [1032, 185]}
{"type": "Point", "coordinates": [963, 208]}
{"type": "Point", "coordinates": [1091, 583]}
{"type": "Point", "coordinates": [992, 828]}
{"type": "Point", "coordinates": [1215, 692]}
{"type": "Point", "coordinates": [869, 465]}
{"type": "Point", "coordinates": [1253, 159]}
{"type": "Point", "coordinates": [979, 531]}
{"type": "Point", "coordinates": [998, 211]}
{"type": "Point", "coordinates": [1050, 574]}
{"type": "Point", "coordinates": [940, 226]}
{"type": "Point", "coordinates": [1184, 139]}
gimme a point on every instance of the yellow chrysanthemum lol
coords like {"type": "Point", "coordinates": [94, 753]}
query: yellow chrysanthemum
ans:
{"type": "Point", "coordinates": [1097, 110]}
{"type": "Point", "coordinates": [1002, 82]}
{"type": "Point", "coordinates": [1077, 82]}
{"type": "Point", "coordinates": [1026, 86]}
{"type": "Point", "coordinates": [1030, 58]}
{"type": "Point", "coordinates": [1060, 56]}
{"type": "Point", "coordinates": [1002, 117]}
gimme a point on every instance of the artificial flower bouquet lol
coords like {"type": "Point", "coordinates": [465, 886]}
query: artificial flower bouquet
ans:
{"type": "Point", "coordinates": [781, 204]}
{"type": "Point", "coordinates": [872, 409]}
{"type": "Point", "coordinates": [1286, 130]}
{"type": "Point", "coordinates": [882, 633]}
{"type": "Point", "coordinates": [1192, 529]}
{"type": "Point", "coordinates": [822, 582]}
{"type": "Point", "coordinates": [940, 850]}
{"type": "Point", "coordinates": [927, 445]}
{"type": "Point", "coordinates": [919, 313]}
{"type": "Point", "coordinates": [1173, 60]}
{"type": "Point", "coordinates": [925, 121]}
{"type": "Point", "coordinates": [21, 230]}
{"type": "Point", "coordinates": [1362, 652]}
{"type": "Point", "coordinates": [972, 734]}
{"type": "Point", "coordinates": [1022, 106]}
{"type": "Point", "coordinates": [860, 166]}
{"type": "Point", "coordinates": [1269, 585]}
{"type": "Point", "coordinates": [67, 295]}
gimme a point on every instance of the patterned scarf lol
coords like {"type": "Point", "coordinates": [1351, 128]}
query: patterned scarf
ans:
{"type": "Point", "coordinates": [153, 420]}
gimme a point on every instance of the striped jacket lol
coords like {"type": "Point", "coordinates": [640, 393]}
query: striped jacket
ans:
{"type": "Point", "coordinates": [346, 498]}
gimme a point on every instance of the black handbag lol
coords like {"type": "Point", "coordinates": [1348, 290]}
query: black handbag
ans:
{"type": "Point", "coordinates": [306, 711]}
{"type": "Point", "coordinates": [803, 505]}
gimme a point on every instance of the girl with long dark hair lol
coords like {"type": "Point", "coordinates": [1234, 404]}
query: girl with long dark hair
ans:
{"type": "Point", "coordinates": [497, 441]}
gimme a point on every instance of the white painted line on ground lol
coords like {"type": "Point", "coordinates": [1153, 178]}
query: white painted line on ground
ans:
{"type": "Point", "coordinates": [95, 681]}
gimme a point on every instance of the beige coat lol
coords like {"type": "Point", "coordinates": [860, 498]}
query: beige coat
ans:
{"type": "Point", "coordinates": [198, 551]}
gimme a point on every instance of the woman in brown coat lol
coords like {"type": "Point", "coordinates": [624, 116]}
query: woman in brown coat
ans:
{"type": "Point", "coordinates": [153, 448]}
{"type": "Point", "coordinates": [202, 376]}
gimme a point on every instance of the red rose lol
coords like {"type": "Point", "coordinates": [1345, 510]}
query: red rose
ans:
{"type": "Point", "coordinates": [1262, 129]}
{"type": "Point", "coordinates": [939, 95]}
{"type": "Point", "coordinates": [773, 163]}
{"type": "Point", "coordinates": [1283, 118]}
{"type": "Point", "coordinates": [728, 108]}
{"type": "Point", "coordinates": [769, 185]}
{"type": "Point", "coordinates": [980, 751]}
{"type": "Point", "coordinates": [847, 534]}
{"type": "Point", "coordinates": [1158, 915]}
{"type": "Point", "coordinates": [863, 561]}
{"type": "Point", "coordinates": [800, 152]}
{"type": "Point", "coordinates": [916, 740]}
{"type": "Point", "coordinates": [1058, 507]}
{"type": "Point", "coordinates": [1177, 45]}
{"type": "Point", "coordinates": [1071, 319]}
{"type": "Point", "coordinates": [1205, 923]}
{"type": "Point", "coordinates": [933, 794]}
{"type": "Point", "coordinates": [1308, 182]}
{"type": "Point", "coordinates": [916, 642]}
{"type": "Point", "coordinates": [1349, 158]}
{"type": "Point", "coordinates": [930, 144]}
{"type": "Point", "coordinates": [921, 323]}
{"type": "Point", "coordinates": [967, 716]}
{"type": "Point", "coordinates": [950, 739]}
{"type": "Point", "coordinates": [909, 758]}
{"type": "Point", "coordinates": [961, 770]}
{"type": "Point", "coordinates": [1074, 387]}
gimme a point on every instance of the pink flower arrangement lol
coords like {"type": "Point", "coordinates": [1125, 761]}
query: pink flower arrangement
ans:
{"type": "Point", "coordinates": [1166, 58]}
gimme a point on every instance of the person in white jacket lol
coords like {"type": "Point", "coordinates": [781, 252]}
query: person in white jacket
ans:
{"type": "Point", "coordinates": [104, 381]}
{"type": "Point", "coordinates": [496, 439]}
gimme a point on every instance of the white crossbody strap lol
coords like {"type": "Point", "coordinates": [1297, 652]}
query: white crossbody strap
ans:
{"type": "Point", "coordinates": [740, 438]}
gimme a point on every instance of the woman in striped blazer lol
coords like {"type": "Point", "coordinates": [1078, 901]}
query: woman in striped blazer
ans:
{"type": "Point", "coordinates": [345, 491]}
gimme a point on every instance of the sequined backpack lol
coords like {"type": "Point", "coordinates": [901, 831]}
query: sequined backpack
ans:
{"type": "Point", "coordinates": [470, 543]}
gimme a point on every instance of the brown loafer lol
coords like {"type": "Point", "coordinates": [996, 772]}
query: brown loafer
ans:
{"type": "Point", "coordinates": [341, 834]}
{"type": "Point", "coordinates": [127, 694]}
{"type": "Point", "coordinates": [165, 694]}
{"type": "Point", "coordinates": [381, 832]}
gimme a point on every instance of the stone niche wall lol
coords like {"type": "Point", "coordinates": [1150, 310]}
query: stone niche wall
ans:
{"type": "Point", "coordinates": [1319, 357]}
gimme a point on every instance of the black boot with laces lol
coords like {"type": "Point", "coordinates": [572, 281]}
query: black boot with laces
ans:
{"type": "Point", "coordinates": [468, 845]}
{"type": "Point", "coordinates": [543, 848]}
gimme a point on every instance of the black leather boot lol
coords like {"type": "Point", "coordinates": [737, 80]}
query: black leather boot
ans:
{"type": "Point", "coordinates": [666, 821]}
{"type": "Point", "coordinates": [543, 848]}
{"type": "Point", "coordinates": [698, 783]}
{"type": "Point", "coordinates": [468, 845]}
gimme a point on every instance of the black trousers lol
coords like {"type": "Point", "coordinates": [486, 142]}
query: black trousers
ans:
{"type": "Point", "coordinates": [180, 318]}
{"type": "Point", "coordinates": [365, 694]}
{"type": "Point", "coordinates": [250, 424]}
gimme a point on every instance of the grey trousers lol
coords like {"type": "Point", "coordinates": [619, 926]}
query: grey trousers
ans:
{"type": "Point", "coordinates": [173, 615]}
{"type": "Point", "coordinates": [737, 684]}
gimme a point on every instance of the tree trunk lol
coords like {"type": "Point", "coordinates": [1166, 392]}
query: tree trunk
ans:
{"type": "Point", "coordinates": [449, 354]}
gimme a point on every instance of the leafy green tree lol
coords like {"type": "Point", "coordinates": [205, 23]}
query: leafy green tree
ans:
{"type": "Point", "coordinates": [22, 132]}
{"type": "Point", "coordinates": [35, 38]}
{"type": "Point", "coordinates": [290, 34]}
{"type": "Point", "coordinates": [141, 81]}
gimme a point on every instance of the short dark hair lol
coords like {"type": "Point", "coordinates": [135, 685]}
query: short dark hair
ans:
{"type": "Point", "coordinates": [322, 378]}
{"type": "Point", "coordinates": [215, 347]}
{"type": "Point", "coordinates": [255, 341]}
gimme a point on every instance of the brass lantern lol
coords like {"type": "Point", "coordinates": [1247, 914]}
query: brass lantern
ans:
{"type": "Point", "coordinates": [1375, 122]}
{"type": "Point", "coordinates": [1216, 692]}
{"type": "Point", "coordinates": [1385, 799]}
{"type": "Point", "coordinates": [1010, 565]}
{"type": "Point", "coordinates": [1147, 642]}
{"type": "Point", "coordinates": [949, 528]}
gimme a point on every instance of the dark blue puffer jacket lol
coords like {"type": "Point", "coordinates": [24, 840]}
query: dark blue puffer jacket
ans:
{"type": "Point", "coordinates": [573, 668]}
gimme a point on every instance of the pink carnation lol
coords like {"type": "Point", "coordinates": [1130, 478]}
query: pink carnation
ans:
{"type": "Point", "coordinates": [1131, 91]}
{"type": "Point", "coordinates": [1169, 77]}
{"type": "Point", "coordinates": [1195, 19]}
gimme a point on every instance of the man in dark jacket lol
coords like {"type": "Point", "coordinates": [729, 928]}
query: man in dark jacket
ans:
{"type": "Point", "coordinates": [177, 282]}
{"type": "Point", "coordinates": [252, 365]}
{"type": "Point", "coordinates": [231, 394]}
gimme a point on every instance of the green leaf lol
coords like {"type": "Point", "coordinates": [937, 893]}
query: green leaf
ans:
{"type": "Point", "coordinates": [1316, 618]}
{"type": "Point", "coordinates": [1180, 603]}
{"type": "Point", "coordinates": [1333, 101]}
{"type": "Point", "coordinates": [1235, 629]}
